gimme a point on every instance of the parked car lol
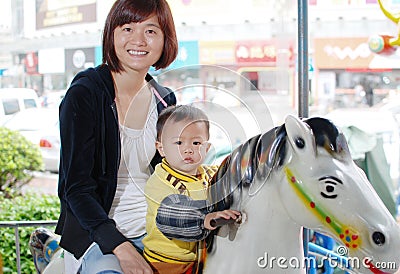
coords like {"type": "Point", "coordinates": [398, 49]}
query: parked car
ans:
{"type": "Point", "coordinates": [13, 100]}
{"type": "Point", "coordinates": [41, 127]}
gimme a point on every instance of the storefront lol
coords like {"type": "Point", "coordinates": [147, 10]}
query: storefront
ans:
{"type": "Point", "coordinates": [268, 66]}
{"type": "Point", "coordinates": [349, 74]}
{"type": "Point", "coordinates": [78, 59]}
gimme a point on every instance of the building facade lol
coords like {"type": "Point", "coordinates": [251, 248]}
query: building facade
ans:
{"type": "Point", "coordinates": [51, 40]}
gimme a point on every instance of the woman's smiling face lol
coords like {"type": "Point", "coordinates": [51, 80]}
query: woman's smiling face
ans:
{"type": "Point", "coordinates": [139, 45]}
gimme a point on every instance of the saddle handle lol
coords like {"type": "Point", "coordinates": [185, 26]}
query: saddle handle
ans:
{"type": "Point", "coordinates": [217, 222]}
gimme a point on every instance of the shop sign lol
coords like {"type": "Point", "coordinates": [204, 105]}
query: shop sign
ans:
{"type": "Point", "coordinates": [60, 12]}
{"type": "Point", "coordinates": [342, 53]}
{"type": "Point", "coordinates": [217, 52]}
{"type": "Point", "coordinates": [352, 54]}
{"type": "Point", "coordinates": [98, 55]}
{"type": "Point", "coordinates": [77, 59]}
{"type": "Point", "coordinates": [188, 55]}
{"type": "Point", "coordinates": [341, 3]}
{"type": "Point", "coordinates": [31, 63]}
{"type": "Point", "coordinates": [255, 52]}
{"type": "Point", "coordinates": [51, 61]}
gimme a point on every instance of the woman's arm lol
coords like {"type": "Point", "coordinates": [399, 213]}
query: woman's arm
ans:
{"type": "Point", "coordinates": [78, 143]}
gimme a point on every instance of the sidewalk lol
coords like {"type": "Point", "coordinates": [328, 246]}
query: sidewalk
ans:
{"type": "Point", "coordinates": [45, 183]}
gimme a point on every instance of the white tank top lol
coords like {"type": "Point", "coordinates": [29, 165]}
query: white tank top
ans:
{"type": "Point", "coordinates": [137, 149]}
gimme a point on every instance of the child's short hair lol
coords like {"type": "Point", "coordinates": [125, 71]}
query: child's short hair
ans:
{"type": "Point", "coordinates": [180, 113]}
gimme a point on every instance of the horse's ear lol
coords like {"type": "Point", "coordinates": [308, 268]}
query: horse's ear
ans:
{"type": "Point", "coordinates": [342, 148]}
{"type": "Point", "coordinates": [300, 137]}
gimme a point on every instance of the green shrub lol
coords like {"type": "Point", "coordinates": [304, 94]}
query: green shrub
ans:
{"type": "Point", "coordinates": [32, 207]}
{"type": "Point", "coordinates": [18, 158]}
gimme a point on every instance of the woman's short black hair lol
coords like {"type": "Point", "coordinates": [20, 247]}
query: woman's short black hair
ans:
{"type": "Point", "coordinates": [128, 11]}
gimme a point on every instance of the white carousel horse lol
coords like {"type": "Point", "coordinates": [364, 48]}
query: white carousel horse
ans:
{"type": "Point", "coordinates": [298, 175]}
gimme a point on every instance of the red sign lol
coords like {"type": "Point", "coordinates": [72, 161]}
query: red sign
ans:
{"type": "Point", "coordinates": [260, 52]}
{"type": "Point", "coordinates": [31, 63]}
{"type": "Point", "coordinates": [255, 52]}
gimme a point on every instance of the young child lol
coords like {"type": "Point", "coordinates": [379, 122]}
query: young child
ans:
{"type": "Point", "coordinates": [182, 141]}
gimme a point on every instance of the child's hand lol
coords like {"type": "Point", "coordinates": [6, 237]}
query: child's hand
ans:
{"type": "Point", "coordinates": [226, 214]}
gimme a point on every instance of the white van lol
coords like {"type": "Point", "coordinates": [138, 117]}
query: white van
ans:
{"type": "Point", "coordinates": [13, 100]}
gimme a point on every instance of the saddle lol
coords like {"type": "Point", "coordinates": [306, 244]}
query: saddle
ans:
{"type": "Point", "coordinates": [46, 252]}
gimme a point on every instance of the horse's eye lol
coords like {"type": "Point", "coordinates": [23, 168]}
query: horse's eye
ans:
{"type": "Point", "coordinates": [328, 187]}
{"type": "Point", "coordinates": [329, 191]}
{"type": "Point", "coordinates": [300, 142]}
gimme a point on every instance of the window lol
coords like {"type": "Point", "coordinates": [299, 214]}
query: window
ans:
{"type": "Point", "coordinates": [10, 106]}
{"type": "Point", "coordinates": [30, 103]}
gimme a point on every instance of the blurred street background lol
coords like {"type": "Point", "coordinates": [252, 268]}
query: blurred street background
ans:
{"type": "Point", "coordinates": [238, 60]}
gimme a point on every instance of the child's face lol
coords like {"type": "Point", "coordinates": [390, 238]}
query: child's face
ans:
{"type": "Point", "coordinates": [184, 144]}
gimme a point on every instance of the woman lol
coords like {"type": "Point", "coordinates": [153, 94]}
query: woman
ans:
{"type": "Point", "coordinates": [108, 130]}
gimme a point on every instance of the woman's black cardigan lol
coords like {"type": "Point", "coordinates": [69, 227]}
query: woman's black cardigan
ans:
{"type": "Point", "coordinates": [89, 161]}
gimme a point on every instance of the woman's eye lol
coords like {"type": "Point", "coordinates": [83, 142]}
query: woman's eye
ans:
{"type": "Point", "coordinates": [151, 31]}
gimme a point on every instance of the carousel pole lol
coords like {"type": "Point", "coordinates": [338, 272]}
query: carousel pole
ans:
{"type": "Point", "coordinates": [303, 84]}
{"type": "Point", "coordinates": [302, 69]}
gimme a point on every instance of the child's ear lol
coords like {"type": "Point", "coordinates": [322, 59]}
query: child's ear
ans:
{"type": "Point", "coordinates": [159, 147]}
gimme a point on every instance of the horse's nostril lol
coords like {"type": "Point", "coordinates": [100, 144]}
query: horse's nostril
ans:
{"type": "Point", "coordinates": [378, 238]}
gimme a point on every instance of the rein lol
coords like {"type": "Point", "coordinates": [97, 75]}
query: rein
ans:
{"type": "Point", "coordinates": [348, 235]}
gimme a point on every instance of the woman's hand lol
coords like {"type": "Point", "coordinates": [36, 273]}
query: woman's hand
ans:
{"type": "Point", "coordinates": [226, 214]}
{"type": "Point", "coordinates": [130, 260]}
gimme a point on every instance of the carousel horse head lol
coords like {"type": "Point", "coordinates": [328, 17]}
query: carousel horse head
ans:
{"type": "Point", "coordinates": [300, 174]}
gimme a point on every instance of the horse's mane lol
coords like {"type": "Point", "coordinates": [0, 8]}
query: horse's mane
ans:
{"type": "Point", "coordinates": [258, 156]}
